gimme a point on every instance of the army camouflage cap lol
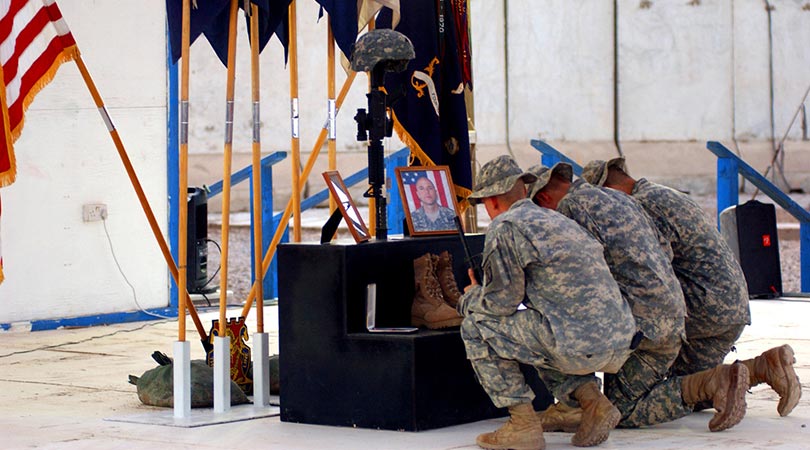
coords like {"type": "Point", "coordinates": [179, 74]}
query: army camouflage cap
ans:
{"type": "Point", "coordinates": [497, 177]}
{"type": "Point", "coordinates": [382, 45]}
{"type": "Point", "coordinates": [596, 171]}
{"type": "Point", "coordinates": [544, 174]}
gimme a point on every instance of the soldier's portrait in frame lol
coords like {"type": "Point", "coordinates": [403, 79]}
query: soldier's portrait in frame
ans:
{"type": "Point", "coordinates": [428, 198]}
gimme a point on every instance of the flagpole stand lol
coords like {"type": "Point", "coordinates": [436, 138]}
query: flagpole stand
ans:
{"type": "Point", "coordinates": [378, 52]}
{"type": "Point", "coordinates": [182, 379]}
{"type": "Point", "coordinates": [222, 374]}
{"type": "Point", "coordinates": [261, 370]}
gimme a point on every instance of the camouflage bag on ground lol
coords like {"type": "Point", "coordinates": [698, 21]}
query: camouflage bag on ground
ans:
{"type": "Point", "coordinates": [156, 386]}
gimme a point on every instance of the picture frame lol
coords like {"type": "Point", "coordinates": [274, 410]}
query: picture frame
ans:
{"type": "Point", "coordinates": [434, 184]}
{"type": "Point", "coordinates": [354, 221]}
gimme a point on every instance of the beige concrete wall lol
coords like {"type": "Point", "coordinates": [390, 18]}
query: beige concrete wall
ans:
{"type": "Point", "coordinates": [688, 72]}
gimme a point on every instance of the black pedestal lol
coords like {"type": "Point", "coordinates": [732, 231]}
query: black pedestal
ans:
{"type": "Point", "coordinates": [334, 372]}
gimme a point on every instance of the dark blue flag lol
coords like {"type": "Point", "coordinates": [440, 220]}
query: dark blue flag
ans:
{"type": "Point", "coordinates": [211, 18]}
{"type": "Point", "coordinates": [273, 19]}
{"type": "Point", "coordinates": [343, 16]}
{"type": "Point", "coordinates": [208, 14]}
{"type": "Point", "coordinates": [431, 119]}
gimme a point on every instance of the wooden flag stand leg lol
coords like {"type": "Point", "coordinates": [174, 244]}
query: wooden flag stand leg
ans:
{"type": "Point", "coordinates": [294, 115]}
{"type": "Point", "coordinates": [330, 106]}
{"type": "Point", "coordinates": [182, 357]}
{"type": "Point", "coordinates": [261, 355]}
{"type": "Point", "coordinates": [222, 342]}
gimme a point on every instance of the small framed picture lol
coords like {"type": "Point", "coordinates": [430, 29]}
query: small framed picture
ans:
{"type": "Point", "coordinates": [354, 221]}
{"type": "Point", "coordinates": [428, 198]}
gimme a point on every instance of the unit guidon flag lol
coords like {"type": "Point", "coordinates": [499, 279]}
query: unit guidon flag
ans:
{"type": "Point", "coordinates": [431, 119]}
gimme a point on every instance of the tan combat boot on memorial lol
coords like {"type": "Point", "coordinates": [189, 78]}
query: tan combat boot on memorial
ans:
{"type": "Point", "coordinates": [444, 271]}
{"type": "Point", "coordinates": [724, 386]}
{"type": "Point", "coordinates": [599, 416]}
{"type": "Point", "coordinates": [429, 308]}
{"type": "Point", "coordinates": [775, 367]}
{"type": "Point", "coordinates": [523, 431]}
{"type": "Point", "coordinates": [561, 417]}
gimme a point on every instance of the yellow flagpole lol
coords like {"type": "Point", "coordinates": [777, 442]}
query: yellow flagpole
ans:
{"type": "Point", "coordinates": [330, 84]}
{"type": "Point", "coordinates": [257, 166]}
{"type": "Point", "coordinates": [226, 167]}
{"type": "Point", "coordinates": [182, 247]}
{"type": "Point", "coordinates": [294, 135]}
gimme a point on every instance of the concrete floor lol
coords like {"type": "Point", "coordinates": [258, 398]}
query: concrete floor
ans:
{"type": "Point", "coordinates": [68, 389]}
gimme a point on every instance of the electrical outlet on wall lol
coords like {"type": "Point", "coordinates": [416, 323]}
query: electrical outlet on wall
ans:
{"type": "Point", "coordinates": [93, 212]}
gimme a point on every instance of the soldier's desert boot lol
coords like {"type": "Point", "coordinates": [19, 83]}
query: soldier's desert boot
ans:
{"type": "Point", "coordinates": [775, 367]}
{"type": "Point", "coordinates": [599, 416]}
{"type": "Point", "coordinates": [561, 417]}
{"type": "Point", "coordinates": [523, 431]}
{"type": "Point", "coordinates": [724, 386]}
{"type": "Point", "coordinates": [444, 271]}
{"type": "Point", "coordinates": [429, 309]}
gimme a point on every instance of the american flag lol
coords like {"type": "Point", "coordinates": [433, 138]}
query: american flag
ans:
{"type": "Point", "coordinates": [34, 42]}
{"type": "Point", "coordinates": [439, 180]}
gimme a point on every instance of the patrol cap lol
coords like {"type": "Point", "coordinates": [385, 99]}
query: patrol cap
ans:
{"type": "Point", "coordinates": [596, 171]}
{"type": "Point", "coordinates": [497, 177]}
{"type": "Point", "coordinates": [544, 174]}
{"type": "Point", "coordinates": [382, 45]}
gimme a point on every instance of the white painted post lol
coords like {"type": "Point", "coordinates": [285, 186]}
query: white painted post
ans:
{"type": "Point", "coordinates": [222, 374]}
{"type": "Point", "coordinates": [182, 379]}
{"type": "Point", "coordinates": [261, 370]}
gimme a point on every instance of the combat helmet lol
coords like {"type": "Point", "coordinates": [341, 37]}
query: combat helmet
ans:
{"type": "Point", "coordinates": [383, 45]}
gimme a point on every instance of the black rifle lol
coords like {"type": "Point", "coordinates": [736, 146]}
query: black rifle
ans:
{"type": "Point", "coordinates": [467, 255]}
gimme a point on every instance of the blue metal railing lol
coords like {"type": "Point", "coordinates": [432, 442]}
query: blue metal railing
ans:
{"type": "Point", "coordinates": [552, 156]}
{"type": "Point", "coordinates": [728, 166]}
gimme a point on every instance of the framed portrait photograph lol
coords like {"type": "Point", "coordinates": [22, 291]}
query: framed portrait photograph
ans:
{"type": "Point", "coordinates": [354, 221]}
{"type": "Point", "coordinates": [428, 198]}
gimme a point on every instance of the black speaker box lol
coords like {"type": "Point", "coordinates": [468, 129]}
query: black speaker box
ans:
{"type": "Point", "coordinates": [750, 229]}
{"type": "Point", "coordinates": [197, 242]}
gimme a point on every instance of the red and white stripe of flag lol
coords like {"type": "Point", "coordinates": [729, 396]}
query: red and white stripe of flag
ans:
{"type": "Point", "coordinates": [439, 182]}
{"type": "Point", "coordinates": [34, 41]}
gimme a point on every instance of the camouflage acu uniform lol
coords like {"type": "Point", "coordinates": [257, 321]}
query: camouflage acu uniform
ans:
{"type": "Point", "coordinates": [645, 276]}
{"type": "Point", "coordinates": [444, 221]}
{"type": "Point", "coordinates": [711, 278]}
{"type": "Point", "coordinates": [575, 322]}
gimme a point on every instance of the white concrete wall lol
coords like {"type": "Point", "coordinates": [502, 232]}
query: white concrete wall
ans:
{"type": "Point", "coordinates": [57, 266]}
{"type": "Point", "coordinates": [560, 47]}
{"type": "Point", "coordinates": [688, 72]}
